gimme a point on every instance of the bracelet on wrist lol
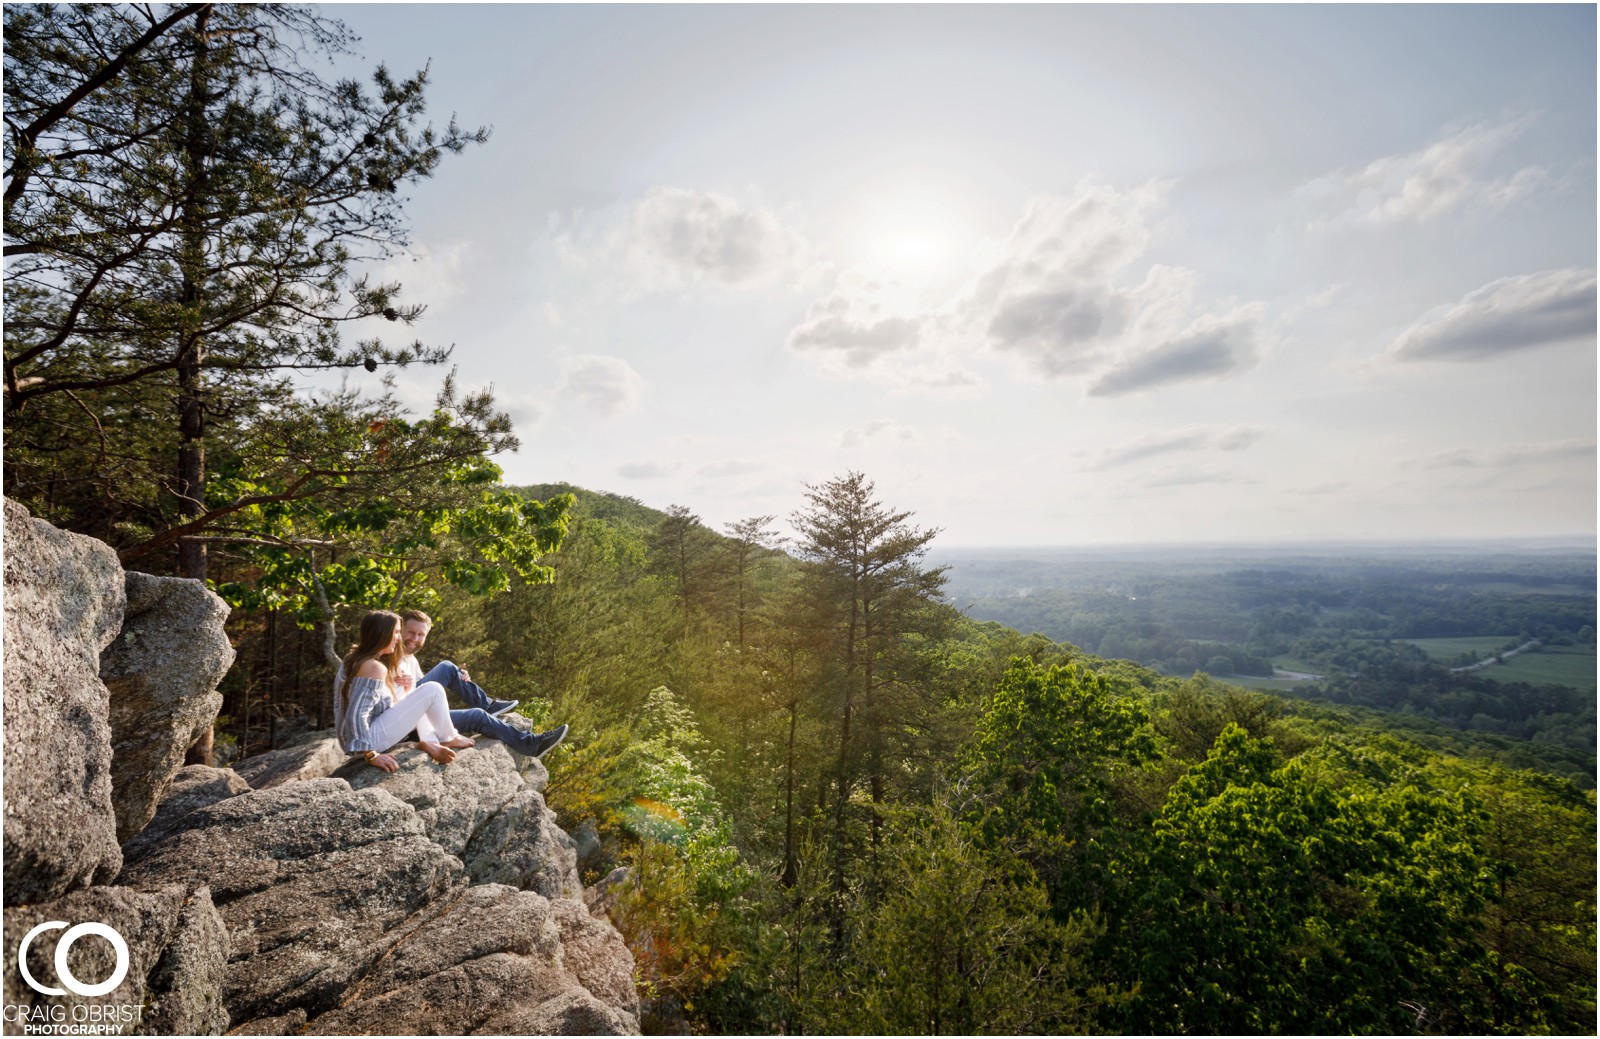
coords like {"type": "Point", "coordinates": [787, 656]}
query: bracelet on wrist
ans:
{"type": "Point", "coordinates": [368, 755]}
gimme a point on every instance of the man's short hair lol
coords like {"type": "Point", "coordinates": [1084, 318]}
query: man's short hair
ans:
{"type": "Point", "coordinates": [417, 615]}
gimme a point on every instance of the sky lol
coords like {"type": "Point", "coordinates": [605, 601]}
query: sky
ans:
{"type": "Point", "coordinates": [1046, 275]}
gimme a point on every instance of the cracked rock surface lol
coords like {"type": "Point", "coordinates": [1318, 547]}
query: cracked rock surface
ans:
{"type": "Point", "coordinates": [378, 902]}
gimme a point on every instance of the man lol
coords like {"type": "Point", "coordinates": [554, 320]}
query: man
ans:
{"type": "Point", "coordinates": [482, 712]}
{"type": "Point", "coordinates": [414, 629]}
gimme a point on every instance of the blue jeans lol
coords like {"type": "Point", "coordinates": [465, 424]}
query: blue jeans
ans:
{"type": "Point", "coordinates": [448, 675]}
{"type": "Point", "coordinates": [480, 721]}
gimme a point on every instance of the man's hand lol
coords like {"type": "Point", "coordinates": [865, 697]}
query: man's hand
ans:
{"type": "Point", "coordinates": [465, 677]}
{"type": "Point", "coordinates": [385, 762]}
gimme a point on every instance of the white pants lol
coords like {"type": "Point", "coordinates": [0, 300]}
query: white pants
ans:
{"type": "Point", "coordinates": [425, 708]}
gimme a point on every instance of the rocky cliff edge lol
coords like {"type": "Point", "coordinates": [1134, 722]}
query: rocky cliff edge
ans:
{"type": "Point", "coordinates": [299, 894]}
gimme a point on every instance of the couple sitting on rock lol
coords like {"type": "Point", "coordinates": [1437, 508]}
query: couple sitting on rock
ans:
{"type": "Point", "coordinates": [381, 694]}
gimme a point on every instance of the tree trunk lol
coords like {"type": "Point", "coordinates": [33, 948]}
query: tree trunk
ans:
{"type": "Point", "coordinates": [191, 482]}
{"type": "Point", "coordinates": [191, 475]}
{"type": "Point", "coordinates": [788, 807]}
{"type": "Point", "coordinates": [873, 724]}
{"type": "Point", "coordinates": [200, 752]}
{"type": "Point", "coordinates": [191, 459]}
{"type": "Point", "coordinates": [739, 608]}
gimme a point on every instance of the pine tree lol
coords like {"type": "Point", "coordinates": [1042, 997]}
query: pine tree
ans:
{"type": "Point", "coordinates": [188, 211]}
{"type": "Point", "coordinates": [865, 582]}
{"type": "Point", "coordinates": [751, 544]}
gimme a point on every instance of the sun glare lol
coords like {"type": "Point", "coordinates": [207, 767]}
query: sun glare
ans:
{"type": "Point", "coordinates": [912, 229]}
{"type": "Point", "coordinates": [912, 249]}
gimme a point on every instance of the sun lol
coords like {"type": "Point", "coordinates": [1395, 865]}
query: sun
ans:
{"type": "Point", "coordinates": [912, 248]}
{"type": "Point", "coordinates": [910, 228]}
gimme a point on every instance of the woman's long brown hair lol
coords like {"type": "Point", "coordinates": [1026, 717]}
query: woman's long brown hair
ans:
{"type": "Point", "coordinates": [377, 635]}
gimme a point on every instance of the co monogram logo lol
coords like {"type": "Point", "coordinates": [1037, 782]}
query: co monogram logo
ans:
{"type": "Point", "coordinates": [63, 947]}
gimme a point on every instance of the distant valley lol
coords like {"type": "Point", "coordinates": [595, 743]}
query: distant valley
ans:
{"type": "Point", "coordinates": [1399, 628]}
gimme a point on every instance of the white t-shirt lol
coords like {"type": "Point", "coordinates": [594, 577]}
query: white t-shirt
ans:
{"type": "Point", "coordinates": [409, 665]}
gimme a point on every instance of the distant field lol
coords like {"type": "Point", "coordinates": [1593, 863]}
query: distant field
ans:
{"type": "Point", "coordinates": [1480, 646]}
{"type": "Point", "coordinates": [1276, 685]}
{"type": "Point", "coordinates": [1515, 588]}
{"type": "Point", "coordinates": [1289, 663]}
{"type": "Point", "coordinates": [1562, 665]}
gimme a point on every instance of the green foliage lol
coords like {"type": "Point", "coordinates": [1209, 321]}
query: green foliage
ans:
{"type": "Point", "coordinates": [1045, 757]}
{"type": "Point", "coordinates": [1306, 898]}
{"type": "Point", "coordinates": [1058, 843]}
{"type": "Point", "coordinates": [963, 942]}
{"type": "Point", "coordinates": [598, 634]}
{"type": "Point", "coordinates": [1538, 973]}
{"type": "Point", "coordinates": [684, 907]}
{"type": "Point", "coordinates": [415, 508]}
{"type": "Point", "coordinates": [1048, 740]}
{"type": "Point", "coordinates": [1197, 711]}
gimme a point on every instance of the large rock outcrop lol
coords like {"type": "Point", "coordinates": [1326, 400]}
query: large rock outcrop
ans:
{"type": "Point", "coordinates": [194, 787]}
{"type": "Point", "coordinates": [486, 810]}
{"type": "Point", "coordinates": [356, 904]}
{"type": "Point", "coordinates": [310, 893]}
{"type": "Point", "coordinates": [162, 671]}
{"type": "Point", "coordinates": [64, 600]}
{"type": "Point", "coordinates": [312, 758]}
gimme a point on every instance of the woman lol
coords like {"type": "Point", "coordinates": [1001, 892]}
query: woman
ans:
{"type": "Point", "coordinates": [371, 720]}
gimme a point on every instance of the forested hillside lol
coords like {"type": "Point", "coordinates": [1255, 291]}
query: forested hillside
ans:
{"type": "Point", "coordinates": [849, 808]}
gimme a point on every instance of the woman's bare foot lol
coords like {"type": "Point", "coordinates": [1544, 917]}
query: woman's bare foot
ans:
{"type": "Point", "coordinates": [457, 743]}
{"type": "Point", "coordinates": [440, 755]}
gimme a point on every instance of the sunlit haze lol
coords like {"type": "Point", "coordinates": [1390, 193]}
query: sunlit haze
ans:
{"type": "Point", "coordinates": [1048, 275]}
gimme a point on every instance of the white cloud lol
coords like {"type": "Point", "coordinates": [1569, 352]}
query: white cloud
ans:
{"type": "Point", "coordinates": [851, 333]}
{"type": "Point", "coordinates": [1055, 298]}
{"type": "Point", "coordinates": [1238, 438]}
{"type": "Point", "coordinates": [646, 470]}
{"type": "Point", "coordinates": [673, 237]}
{"type": "Point", "coordinates": [880, 430]}
{"type": "Point", "coordinates": [1185, 439]}
{"type": "Point", "coordinates": [1209, 348]}
{"type": "Point", "coordinates": [726, 470]}
{"type": "Point", "coordinates": [1050, 300]}
{"type": "Point", "coordinates": [605, 385]}
{"type": "Point", "coordinates": [524, 408]}
{"type": "Point", "coordinates": [942, 379]}
{"type": "Point", "coordinates": [1176, 475]}
{"type": "Point", "coordinates": [1423, 185]}
{"type": "Point", "coordinates": [712, 236]}
{"type": "Point", "coordinates": [848, 329]}
{"type": "Point", "coordinates": [1509, 457]}
{"type": "Point", "coordinates": [427, 275]}
{"type": "Point", "coordinates": [1504, 316]}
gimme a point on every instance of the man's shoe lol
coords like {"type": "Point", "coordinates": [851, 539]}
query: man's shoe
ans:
{"type": "Point", "coordinates": [499, 707]}
{"type": "Point", "coordinates": [539, 744]}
